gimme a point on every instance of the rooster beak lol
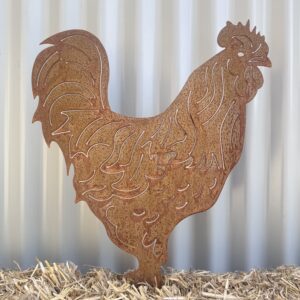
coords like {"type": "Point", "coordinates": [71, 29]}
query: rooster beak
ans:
{"type": "Point", "coordinates": [261, 61]}
{"type": "Point", "coordinates": [267, 63]}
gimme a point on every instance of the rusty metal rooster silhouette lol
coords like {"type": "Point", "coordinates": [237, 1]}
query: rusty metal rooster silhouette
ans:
{"type": "Point", "coordinates": [142, 176]}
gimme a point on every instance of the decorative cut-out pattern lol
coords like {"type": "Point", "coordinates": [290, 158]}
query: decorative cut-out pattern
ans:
{"type": "Point", "coordinates": [141, 176]}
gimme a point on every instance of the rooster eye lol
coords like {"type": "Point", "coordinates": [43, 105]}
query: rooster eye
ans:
{"type": "Point", "coordinates": [241, 54]}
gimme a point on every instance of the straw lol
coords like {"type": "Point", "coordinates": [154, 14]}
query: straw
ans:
{"type": "Point", "coordinates": [64, 281]}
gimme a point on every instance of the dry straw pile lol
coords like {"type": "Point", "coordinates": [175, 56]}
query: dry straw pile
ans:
{"type": "Point", "coordinates": [64, 281]}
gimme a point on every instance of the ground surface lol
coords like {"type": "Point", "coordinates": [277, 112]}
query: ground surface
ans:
{"type": "Point", "coordinates": [63, 281]}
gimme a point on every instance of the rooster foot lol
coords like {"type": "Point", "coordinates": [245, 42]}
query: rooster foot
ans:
{"type": "Point", "coordinates": [139, 277]}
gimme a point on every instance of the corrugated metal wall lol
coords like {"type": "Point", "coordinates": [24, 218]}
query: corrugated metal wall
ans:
{"type": "Point", "coordinates": [152, 48]}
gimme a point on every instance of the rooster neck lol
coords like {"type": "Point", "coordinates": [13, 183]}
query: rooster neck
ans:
{"type": "Point", "coordinates": [219, 111]}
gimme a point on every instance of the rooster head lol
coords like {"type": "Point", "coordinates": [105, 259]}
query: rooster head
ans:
{"type": "Point", "coordinates": [245, 51]}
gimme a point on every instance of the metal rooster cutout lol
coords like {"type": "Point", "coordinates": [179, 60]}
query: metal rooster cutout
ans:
{"type": "Point", "coordinates": [142, 176]}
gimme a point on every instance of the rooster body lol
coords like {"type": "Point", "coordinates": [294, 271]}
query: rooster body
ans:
{"type": "Point", "coordinates": [141, 176]}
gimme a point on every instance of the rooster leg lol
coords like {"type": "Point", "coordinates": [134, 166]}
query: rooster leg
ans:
{"type": "Point", "coordinates": [150, 262]}
{"type": "Point", "coordinates": [148, 270]}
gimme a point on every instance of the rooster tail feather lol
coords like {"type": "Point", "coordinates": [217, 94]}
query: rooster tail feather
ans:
{"type": "Point", "coordinates": [70, 77]}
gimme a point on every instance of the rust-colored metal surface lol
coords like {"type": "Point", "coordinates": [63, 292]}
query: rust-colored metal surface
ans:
{"type": "Point", "coordinates": [141, 176]}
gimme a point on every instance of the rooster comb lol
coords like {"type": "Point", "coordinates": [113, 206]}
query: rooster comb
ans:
{"type": "Point", "coordinates": [231, 31]}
